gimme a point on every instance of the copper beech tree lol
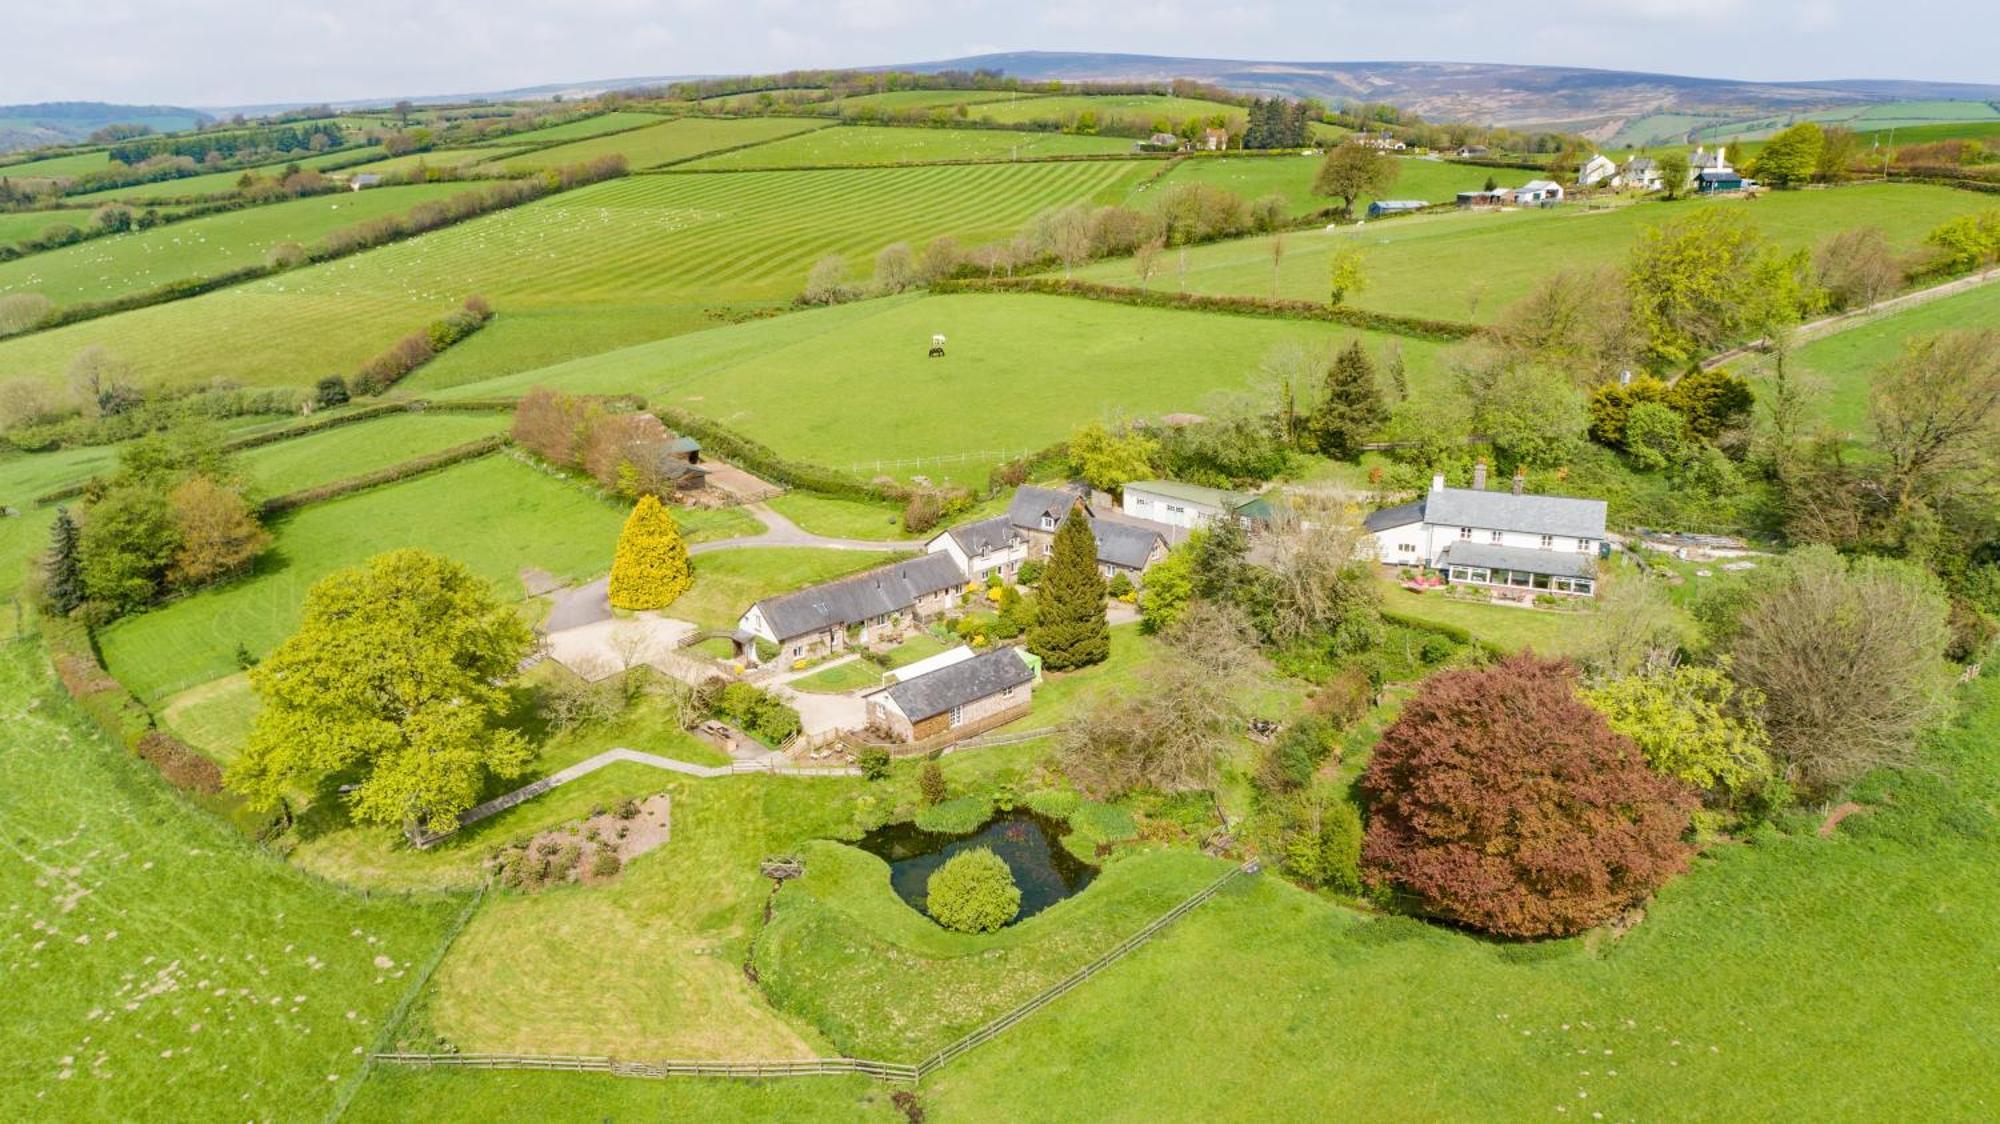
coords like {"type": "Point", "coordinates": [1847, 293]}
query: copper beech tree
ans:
{"type": "Point", "coordinates": [1505, 803]}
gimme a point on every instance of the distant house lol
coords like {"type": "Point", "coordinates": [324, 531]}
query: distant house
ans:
{"type": "Point", "coordinates": [1702, 160]}
{"type": "Point", "coordinates": [1598, 169]}
{"type": "Point", "coordinates": [960, 699]}
{"type": "Point", "coordinates": [1541, 544]}
{"type": "Point", "coordinates": [1186, 505]}
{"type": "Point", "coordinates": [1497, 198]}
{"type": "Point", "coordinates": [1642, 172]}
{"type": "Point", "coordinates": [859, 609]}
{"type": "Point", "coordinates": [1539, 193]}
{"type": "Point", "coordinates": [1473, 150]}
{"type": "Point", "coordinates": [1213, 140]}
{"type": "Point", "coordinates": [1158, 142]}
{"type": "Point", "coordinates": [1714, 180]}
{"type": "Point", "coordinates": [363, 179]}
{"type": "Point", "coordinates": [1382, 207]}
{"type": "Point", "coordinates": [1384, 141]}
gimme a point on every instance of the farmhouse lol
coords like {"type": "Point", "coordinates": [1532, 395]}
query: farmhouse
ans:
{"type": "Point", "coordinates": [1539, 193]}
{"type": "Point", "coordinates": [1642, 172]}
{"type": "Point", "coordinates": [1598, 169]}
{"type": "Point", "coordinates": [1158, 142]}
{"type": "Point", "coordinates": [363, 179]}
{"type": "Point", "coordinates": [1473, 150]}
{"type": "Point", "coordinates": [1125, 549]}
{"type": "Point", "coordinates": [859, 609]}
{"type": "Point", "coordinates": [960, 699]}
{"type": "Point", "coordinates": [1702, 160]}
{"type": "Point", "coordinates": [1384, 141]}
{"type": "Point", "coordinates": [1497, 198]}
{"type": "Point", "coordinates": [1382, 207]}
{"type": "Point", "coordinates": [1505, 539]}
{"type": "Point", "coordinates": [1214, 140]}
{"type": "Point", "coordinates": [998, 546]}
{"type": "Point", "coordinates": [1037, 512]}
{"type": "Point", "coordinates": [1189, 505]}
{"type": "Point", "coordinates": [990, 546]}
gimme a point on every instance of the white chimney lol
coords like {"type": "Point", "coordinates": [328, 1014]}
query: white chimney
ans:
{"type": "Point", "coordinates": [1520, 480]}
{"type": "Point", "coordinates": [1479, 475]}
{"type": "Point", "coordinates": [1437, 482]}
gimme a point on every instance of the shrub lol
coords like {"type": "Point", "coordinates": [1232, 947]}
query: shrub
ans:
{"type": "Point", "coordinates": [1691, 725]}
{"type": "Point", "coordinates": [1055, 803]}
{"type": "Point", "coordinates": [874, 763]}
{"type": "Point", "coordinates": [1030, 572]}
{"type": "Point", "coordinates": [930, 783]}
{"type": "Point", "coordinates": [606, 863]}
{"type": "Point", "coordinates": [1290, 762]}
{"type": "Point", "coordinates": [182, 767]}
{"type": "Point", "coordinates": [973, 892]}
{"type": "Point", "coordinates": [1320, 840]}
{"type": "Point", "coordinates": [1503, 802]}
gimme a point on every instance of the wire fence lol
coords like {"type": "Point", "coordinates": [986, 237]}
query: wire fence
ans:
{"type": "Point", "coordinates": [901, 1072]}
{"type": "Point", "coordinates": [940, 459]}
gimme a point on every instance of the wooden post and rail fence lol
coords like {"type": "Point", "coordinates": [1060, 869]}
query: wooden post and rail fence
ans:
{"type": "Point", "coordinates": [900, 1072]}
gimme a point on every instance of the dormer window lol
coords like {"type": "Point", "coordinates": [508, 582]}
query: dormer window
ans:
{"type": "Point", "coordinates": [1496, 538]}
{"type": "Point", "coordinates": [1548, 541]}
{"type": "Point", "coordinates": [1048, 522]}
{"type": "Point", "coordinates": [1465, 533]}
{"type": "Point", "coordinates": [1585, 546]}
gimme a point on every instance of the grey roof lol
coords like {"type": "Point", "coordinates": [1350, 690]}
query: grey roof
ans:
{"type": "Point", "coordinates": [1031, 503]}
{"type": "Point", "coordinates": [1639, 164]}
{"type": "Point", "coordinates": [1714, 174]}
{"type": "Point", "coordinates": [1505, 511]}
{"type": "Point", "coordinates": [964, 682]}
{"type": "Point", "coordinates": [985, 536]}
{"type": "Point", "coordinates": [1562, 564]}
{"type": "Point", "coordinates": [684, 444]}
{"type": "Point", "coordinates": [891, 589]}
{"type": "Point", "coordinates": [1400, 515]}
{"type": "Point", "coordinates": [1124, 545]}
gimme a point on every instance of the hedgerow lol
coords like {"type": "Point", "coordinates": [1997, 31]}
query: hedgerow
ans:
{"type": "Point", "coordinates": [1418, 327]}
{"type": "Point", "coordinates": [444, 458]}
{"type": "Point", "coordinates": [420, 347]}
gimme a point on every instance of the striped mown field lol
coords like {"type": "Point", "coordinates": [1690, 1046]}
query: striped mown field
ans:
{"type": "Point", "coordinates": [675, 139]}
{"type": "Point", "coordinates": [605, 266]}
{"type": "Point", "coordinates": [881, 144]}
{"type": "Point", "coordinates": [463, 158]}
{"type": "Point", "coordinates": [143, 259]}
{"type": "Point", "coordinates": [576, 130]}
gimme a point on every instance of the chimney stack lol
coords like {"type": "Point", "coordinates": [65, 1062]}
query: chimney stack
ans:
{"type": "Point", "coordinates": [1479, 475]}
{"type": "Point", "coordinates": [1520, 480]}
{"type": "Point", "coordinates": [1437, 482]}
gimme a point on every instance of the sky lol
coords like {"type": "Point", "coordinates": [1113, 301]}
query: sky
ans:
{"type": "Point", "coordinates": [234, 52]}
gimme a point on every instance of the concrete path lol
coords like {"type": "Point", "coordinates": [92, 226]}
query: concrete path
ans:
{"type": "Point", "coordinates": [574, 608]}
{"type": "Point", "coordinates": [603, 648]}
{"type": "Point", "coordinates": [780, 531]}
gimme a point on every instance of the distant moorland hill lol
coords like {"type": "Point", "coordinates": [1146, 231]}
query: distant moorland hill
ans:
{"type": "Point", "coordinates": [66, 122]}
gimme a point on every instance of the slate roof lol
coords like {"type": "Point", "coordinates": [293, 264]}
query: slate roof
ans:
{"type": "Point", "coordinates": [1031, 503]}
{"type": "Point", "coordinates": [1559, 563]}
{"type": "Point", "coordinates": [684, 445]}
{"type": "Point", "coordinates": [1639, 164]}
{"type": "Point", "coordinates": [1400, 515]}
{"type": "Point", "coordinates": [1218, 498]}
{"type": "Point", "coordinates": [965, 682]}
{"type": "Point", "coordinates": [1540, 185]}
{"type": "Point", "coordinates": [1720, 175]}
{"type": "Point", "coordinates": [986, 536]}
{"type": "Point", "coordinates": [891, 589]}
{"type": "Point", "coordinates": [1122, 544]}
{"type": "Point", "coordinates": [1505, 511]}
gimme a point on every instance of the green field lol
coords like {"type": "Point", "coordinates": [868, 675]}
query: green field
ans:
{"type": "Point", "coordinates": [1065, 107]}
{"type": "Point", "coordinates": [102, 268]}
{"type": "Point", "coordinates": [462, 159]}
{"type": "Point", "coordinates": [885, 144]}
{"type": "Point", "coordinates": [57, 167]}
{"type": "Point", "coordinates": [1436, 265]}
{"type": "Point", "coordinates": [496, 515]}
{"type": "Point", "coordinates": [1846, 362]}
{"type": "Point", "coordinates": [897, 101]}
{"type": "Point", "coordinates": [216, 183]}
{"type": "Point", "coordinates": [840, 517]}
{"type": "Point", "coordinates": [1253, 177]}
{"type": "Point", "coordinates": [668, 141]}
{"type": "Point", "coordinates": [351, 450]}
{"type": "Point", "coordinates": [851, 387]}
{"type": "Point", "coordinates": [600, 267]}
{"type": "Point", "coordinates": [16, 225]}
{"type": "Point", "coordinates": [858, 673]}
{"type": "Point", "coordinates": [160, 965]}
{"type": "Point", "coordinates": [576, 130]}
{"type": "Point", "coordinates": [22, 478]}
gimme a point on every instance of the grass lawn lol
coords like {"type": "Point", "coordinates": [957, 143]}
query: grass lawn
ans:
{"type": "Point", "coordinates": [1547, 631]}
{"type": "Point", "coordinates": [469, 1096]}
{"type": "Point", "coordinates": [1253, 177]}
{"type": "Point", "coordinates": [1466, 266]}
{"type": "Point", "coordinates": [858, 673]}
{"type": "Point", "coordinates": [728, 581]}
{"type": "Point", "coordinates": [351, 450]}
{"type": "Point", "coordinates": [601, 267]}
{"type": "Point", "coordinates": [879, 144]}
{"type": "Point", "coordinates": [850, 387]}
{"type": "Point", "coordinates": [102, 268]}
{"type": "Point", "coordinates": [1846, 361]}
{"type": "Point", "coordinates": [840, 517]}
{"type": "Point", "coordinates": [160, 966]}
{"type": "Point", "coordinates": [435, 158]}
{"type": "Point", "coordinates": [495, 514]}
{"type": "Point", "coordinates": [667, 141]}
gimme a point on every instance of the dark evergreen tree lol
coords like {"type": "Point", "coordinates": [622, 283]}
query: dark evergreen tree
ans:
{"type": "Point", "coordinates": [1070, 630]}
{"type": "Point", "coordinates": [1352, 407]}
{"type": "Point", "coordinates": [65, 577]}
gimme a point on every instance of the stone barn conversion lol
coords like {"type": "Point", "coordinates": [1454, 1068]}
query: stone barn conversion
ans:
{"type": "Point", "coordinates": [956, 701]}
{"type": "Point", "coordinates": [857, 610]}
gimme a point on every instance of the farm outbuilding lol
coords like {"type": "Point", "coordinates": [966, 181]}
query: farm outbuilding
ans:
{"type": "Point", "coordinates": [1382, 207]}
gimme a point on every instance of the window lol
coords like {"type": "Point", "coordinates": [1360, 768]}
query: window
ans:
{"type": "Point", "coordinates": [1406, 548]}
{"type": "Point", "coordinates": [1495, 538]}
{"type": "Point", "coordinates": [1585, 546]}
{"type": "Point", "coordinates": [1465, 533]}
{"type": "Point", "coordinates": [1176, 509]}
{"type": "Point", "coordinates": [1006, 692]}
{"type": "Point", "coordinates": [1048, 522]}
{"type": "Point", "coordinates": [1548, 541]}
{"type": "Point", "coordinates": [957, 716]}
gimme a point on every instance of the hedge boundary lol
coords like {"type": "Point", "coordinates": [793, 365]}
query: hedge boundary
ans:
{"type": "Point", "coordinates": [430, 462]}
{"type": "Point", "coordinates": [1446, 331]}
{"type": "Point", "coordinates": [948, 162]}
{"type": "Point", "coordinates": [760, 459]}
{"type": "Point", "coordinates": [1453, 632]}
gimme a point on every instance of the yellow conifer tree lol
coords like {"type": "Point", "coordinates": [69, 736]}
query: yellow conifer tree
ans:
{"type": "Point", "coordinates": [651, 567]}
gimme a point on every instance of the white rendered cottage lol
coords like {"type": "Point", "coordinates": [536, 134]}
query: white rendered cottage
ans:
{"type": "Point", "coordinates": [1506, 539]}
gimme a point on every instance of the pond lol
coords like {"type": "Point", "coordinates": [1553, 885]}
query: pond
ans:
{"type": "Point", "coordinates": [1029, 844]}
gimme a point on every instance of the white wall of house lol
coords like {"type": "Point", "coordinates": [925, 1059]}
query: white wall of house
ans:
{"type": "Point", "coordinates": [1006, 561]}
{"type": "Point", "coordinates": [1173, 511]}
{"type": "Point", "coordinates": [1423, 543]}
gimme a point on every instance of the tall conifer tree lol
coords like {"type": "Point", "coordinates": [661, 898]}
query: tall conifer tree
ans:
{"type": "Point", "coordinates": [65, 578]}
{"type": "Point", "coordinates": [1070, 630]}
